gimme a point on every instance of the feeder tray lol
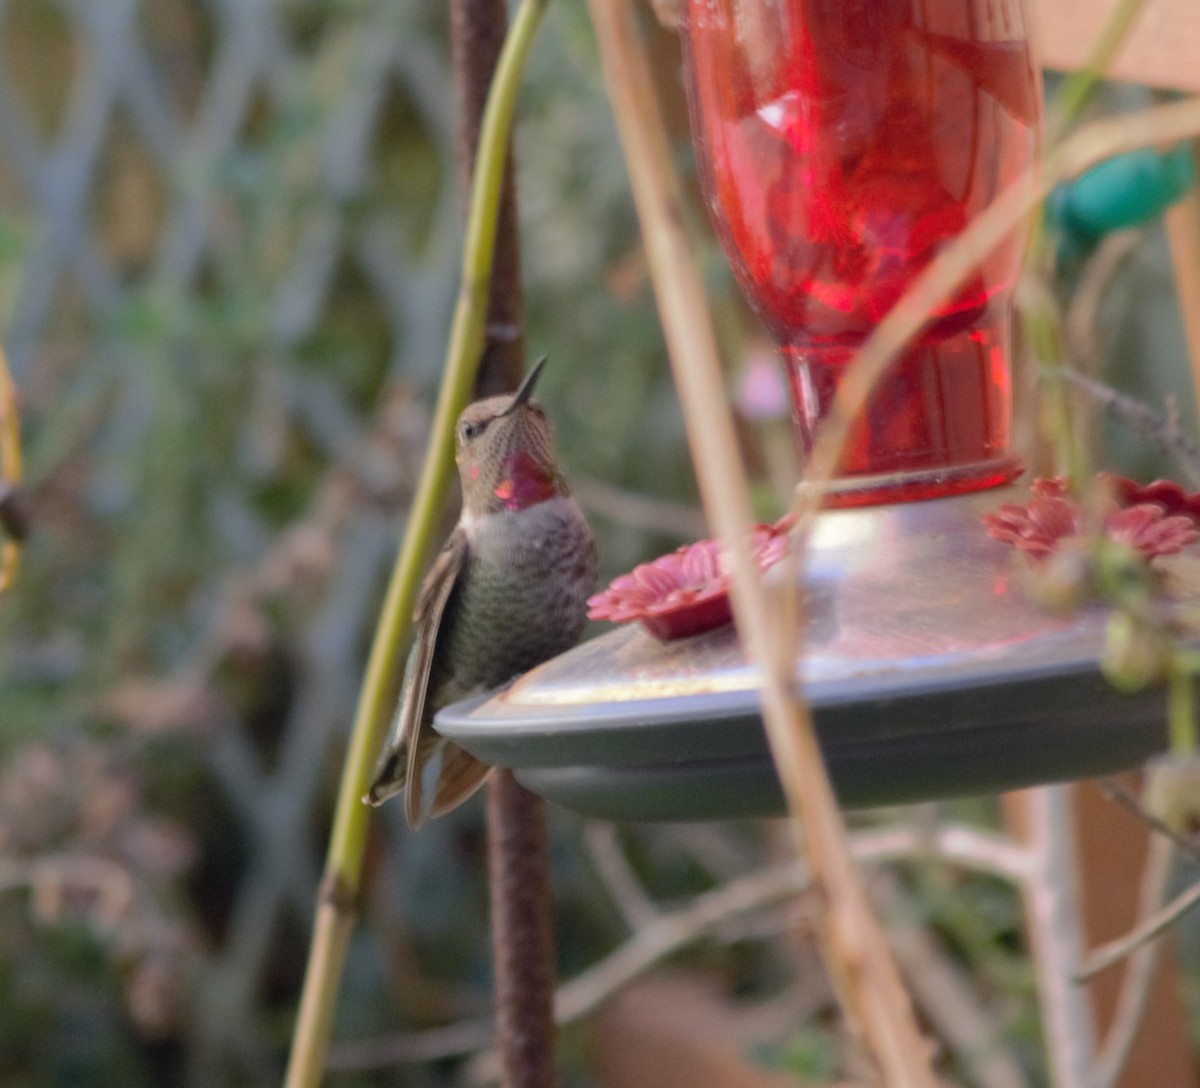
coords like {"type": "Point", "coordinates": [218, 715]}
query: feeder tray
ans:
{"type": "Point", "coordinates": [929, 671]}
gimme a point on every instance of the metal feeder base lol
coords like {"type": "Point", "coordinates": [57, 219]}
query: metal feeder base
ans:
{"type": "Point", "coordinates": [929, 671]}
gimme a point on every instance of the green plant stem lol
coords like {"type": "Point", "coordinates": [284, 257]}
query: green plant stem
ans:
{"type": "Point", "coordinates": [1071, 455]}
{"type": "Point", "coordinates": [1078, 87]}
{"type": "Point", "coordinates": [1182, 709]}
{"type": "Point", "coordinates": [343, 867]}
{"type": "Point", "coordinates": [1042, 325]}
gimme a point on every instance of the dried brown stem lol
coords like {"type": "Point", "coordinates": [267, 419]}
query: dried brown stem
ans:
{"type": "Point", "coordinates": [855, 948]}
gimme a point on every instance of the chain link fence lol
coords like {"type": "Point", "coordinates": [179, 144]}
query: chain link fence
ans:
{"type": "Point", "coordinates": [227, 244]}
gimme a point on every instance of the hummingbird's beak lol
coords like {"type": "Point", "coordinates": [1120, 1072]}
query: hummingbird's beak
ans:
{"type": "Point", "coordinates": [525, 390]}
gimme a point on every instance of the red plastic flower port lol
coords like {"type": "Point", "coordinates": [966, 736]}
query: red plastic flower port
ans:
{"type": "Point", "coordinates": [1150, 531]}
{"type": "Point", "coordinates": [1166, 494]}
{"type": "Point", "coordinates": [686, 592]}
{"type": "Point", "coordinates": [1155, 519]}
{"type": "Point", "coordinates": [1037, 526]}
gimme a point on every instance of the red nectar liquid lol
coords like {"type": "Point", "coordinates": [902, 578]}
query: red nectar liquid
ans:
{"type": "Point", "coordinates": [842, 143]}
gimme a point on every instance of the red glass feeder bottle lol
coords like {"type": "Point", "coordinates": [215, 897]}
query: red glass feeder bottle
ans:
{"type": "Point", "coordinates": [841, 144]}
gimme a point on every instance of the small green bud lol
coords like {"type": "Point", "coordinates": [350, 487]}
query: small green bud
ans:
{"type": "Point", "coordinates": [1172, 793]}
{"type": "Point", "coordinates": [1134, 654]}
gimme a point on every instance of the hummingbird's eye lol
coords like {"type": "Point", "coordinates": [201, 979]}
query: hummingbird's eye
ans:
{"type": "Point", "coordinates": [473, 428]}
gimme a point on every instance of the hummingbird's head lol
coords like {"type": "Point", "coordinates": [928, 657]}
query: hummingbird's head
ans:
{"type": "Point", "coordinates": [505, 452]}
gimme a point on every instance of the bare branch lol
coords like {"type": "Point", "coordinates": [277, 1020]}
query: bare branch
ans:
{"type": "Point", "coordinates": [1053, 922]}
{"type": "Point", "coordinates": [972, 848]}
{"type": "Point", "coordinates": [621, 882]}
{"type": "Point", "coordinates": [946, 994]}
{"type": "Point", "coordinates": [1143, 419]}
{"type": "Point", "coordinates": [670, 932]}
{"type": "Point", "coordinates": [640, 511]}
{"type": "Point", "coordinates": [1135, 987]}
{"type": "Point", "coordinates": [647, 947]}
{"type": "Point", "coordinates": [1115, 951]}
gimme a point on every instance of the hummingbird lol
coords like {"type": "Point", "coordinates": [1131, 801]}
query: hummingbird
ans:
{"type": "Point", "coordinates": [508, 591]}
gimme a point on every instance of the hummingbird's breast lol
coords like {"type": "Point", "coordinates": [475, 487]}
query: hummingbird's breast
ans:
{"type": "Point", "coordinates": [522, 598]}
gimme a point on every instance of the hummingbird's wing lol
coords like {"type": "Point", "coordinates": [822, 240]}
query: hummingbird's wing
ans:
{"type": "Point", "coordinates": [408, 744]}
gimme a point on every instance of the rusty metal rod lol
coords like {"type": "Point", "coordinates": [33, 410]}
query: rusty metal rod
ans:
{"type": "Point", "coordinates": [518, 862]}
{"type": "Point", "coordinates": [477, 29]}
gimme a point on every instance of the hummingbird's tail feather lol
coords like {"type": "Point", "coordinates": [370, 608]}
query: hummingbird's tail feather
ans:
{"type": "Point", "coordinates": [460, 776]}
{"type": "Point", "coordinates": [419, 754]}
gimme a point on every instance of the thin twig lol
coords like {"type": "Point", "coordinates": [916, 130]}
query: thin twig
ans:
{"type": "Point", "coordinates": [1143, 419]}
{"type": "Point", "coordinates": [972, 848]}
{"type": "Point", "coordinates": [1139, 973]}
{"type": "Point", "coordinates": [647, 512]}
{"type": "Point", "coordinates": [1115, 951]}
{"type": "Point", "coordinates": [1117, 791]}
{"type": "Point", "coordinates": [620, 881]}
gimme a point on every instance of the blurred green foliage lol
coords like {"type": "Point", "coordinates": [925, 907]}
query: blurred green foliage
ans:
{"type": "Point", "coordinates": [226, 382]}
